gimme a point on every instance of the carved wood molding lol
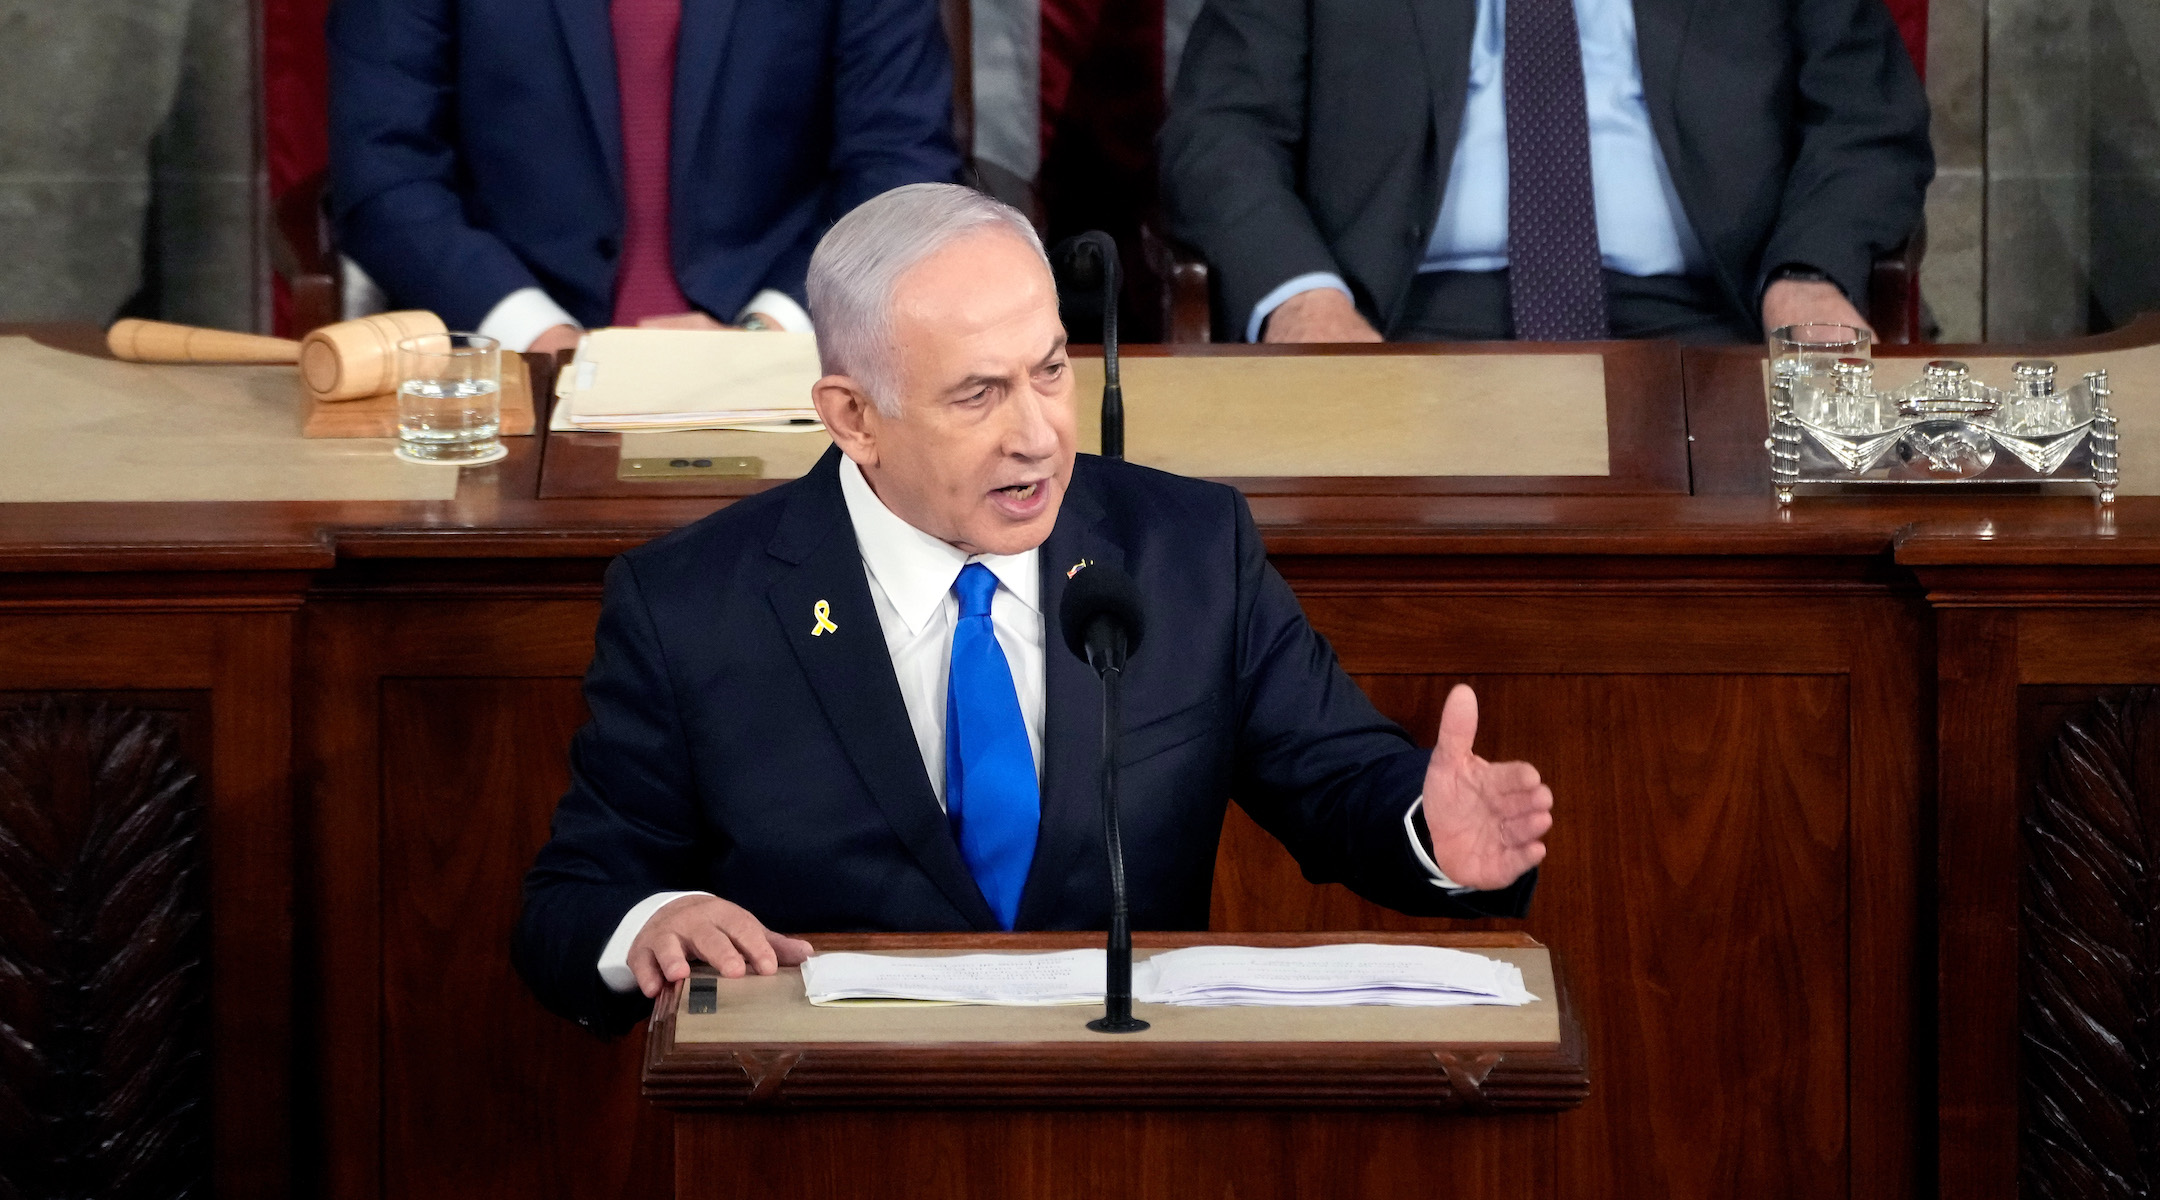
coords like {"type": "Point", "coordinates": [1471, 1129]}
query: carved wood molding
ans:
{"type": "Point", "coordinates": [2090, 1024]}
{"type": "Point", "coordinates": [104, 1035]}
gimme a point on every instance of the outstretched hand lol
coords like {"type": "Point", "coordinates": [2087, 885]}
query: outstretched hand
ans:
{"type": "Point", "coordinates": [1486, 818]}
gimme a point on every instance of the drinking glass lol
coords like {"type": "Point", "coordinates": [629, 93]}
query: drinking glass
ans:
{"type": "Point", "coordinates": [1812, 351]}
{"type": "Point", "coordinates": [449, 399]}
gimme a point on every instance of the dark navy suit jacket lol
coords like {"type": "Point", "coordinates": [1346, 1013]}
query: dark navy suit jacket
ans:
{"type": "Point", "coordinates": [476, 145]}
{"type": "Point", "coordinates": [731, 750]}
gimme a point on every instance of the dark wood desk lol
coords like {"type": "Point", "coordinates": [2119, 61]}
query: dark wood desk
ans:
{"type": "Point", "coordinates": [1090, 1116]}
{"type": "Point", "coordinates": [1790, 749]}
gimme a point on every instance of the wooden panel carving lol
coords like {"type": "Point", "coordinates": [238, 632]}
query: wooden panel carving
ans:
{"type": "Point", "coordinates": [104, 980]}
{"type": "Point", "coordinates": [2090, 1025]}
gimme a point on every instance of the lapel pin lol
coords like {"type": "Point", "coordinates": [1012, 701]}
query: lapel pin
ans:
{"type": "Point", "coordinates": [1076, 567]}
{"type": "Point", "coordinates": [823, 613]}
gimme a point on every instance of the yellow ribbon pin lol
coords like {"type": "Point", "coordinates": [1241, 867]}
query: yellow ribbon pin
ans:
{"type": "Point", "coordinates": [823, 612]}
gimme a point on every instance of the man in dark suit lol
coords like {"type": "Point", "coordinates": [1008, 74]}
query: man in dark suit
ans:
{"type": "Point", "coordinates": [1544, 169]}
{"type": "Point", "coordinates": [528, 167]}
{"type": "Point", "coordinates": [836, 706]}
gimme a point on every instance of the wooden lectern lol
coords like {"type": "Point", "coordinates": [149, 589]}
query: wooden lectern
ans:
{"type": "Point", "coordinates": [773, 1097]}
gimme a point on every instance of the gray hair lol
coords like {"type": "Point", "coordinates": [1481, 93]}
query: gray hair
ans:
{"type": "Point", "coordinates": [861, 259]}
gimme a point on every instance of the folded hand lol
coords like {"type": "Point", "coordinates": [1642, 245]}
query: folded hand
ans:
{"type": "Point", "coordinates": [724, 935]}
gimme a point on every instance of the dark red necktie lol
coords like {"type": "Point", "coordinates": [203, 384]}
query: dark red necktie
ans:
{"type": "Point", "coordinates": [645, 32]}
{"type": "Point", "coordinates": [1556, 279]}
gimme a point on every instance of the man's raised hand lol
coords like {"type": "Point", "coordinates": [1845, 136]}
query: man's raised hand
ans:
{"type": "Point", "coordinates": [1486, 818]}
{"type": "Point", "coordinates": [724, 935]}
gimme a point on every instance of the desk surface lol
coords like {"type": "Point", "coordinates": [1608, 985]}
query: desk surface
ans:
{"type": "Point", "coordinates": [500, 511]}
{"type": "Point", "coordinates": [767, 1045]}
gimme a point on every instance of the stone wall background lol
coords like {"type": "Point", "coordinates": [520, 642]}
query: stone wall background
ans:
{"type": "Point", "coordinates": [129, 176]}
{"type": "Point", "coordinates": [2044, 220]}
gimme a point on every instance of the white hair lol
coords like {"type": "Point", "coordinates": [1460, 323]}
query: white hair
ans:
{"type": "Point", "coordinates": [861, 259]}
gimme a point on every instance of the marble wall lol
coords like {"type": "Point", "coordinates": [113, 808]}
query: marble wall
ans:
{"type": "Point", "coordinates": [2041, 223]}
{"type": "Point", "coordinates": [128, 161]}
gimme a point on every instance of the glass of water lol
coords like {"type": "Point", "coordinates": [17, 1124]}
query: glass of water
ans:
{"type": "Point", "coordinates": [449, 399]}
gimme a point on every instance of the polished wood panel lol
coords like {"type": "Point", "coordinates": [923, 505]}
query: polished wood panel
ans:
{"type": "Point", "coordinates": [1712, 804]}
{"type": "Point", "coordinates": [990, 1155]}
{"type": "Point", "coordinates": [522, 1104]}
{"type": "Point", "coordinates": [429, 803]}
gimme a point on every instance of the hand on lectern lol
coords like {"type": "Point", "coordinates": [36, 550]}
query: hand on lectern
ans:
{"type": "Point", "coordinates": [1486, 818]}
{"type": "Point", "coordinates": [725, 935]}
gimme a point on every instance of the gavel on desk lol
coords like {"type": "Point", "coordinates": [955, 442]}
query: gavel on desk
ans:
{"type": "Point", "coordinates": [346, 361]}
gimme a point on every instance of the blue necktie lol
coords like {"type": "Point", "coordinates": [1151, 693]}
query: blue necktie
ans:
{"type": "Point", "coordinates": [991, 796]}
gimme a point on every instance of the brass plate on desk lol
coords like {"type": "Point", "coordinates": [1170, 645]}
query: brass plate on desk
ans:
{"type": "Point", "coordinates": [701, 467]}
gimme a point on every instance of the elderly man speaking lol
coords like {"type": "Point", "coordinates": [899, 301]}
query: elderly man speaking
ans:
{"type": "Point", "coordinates": [834, 706]}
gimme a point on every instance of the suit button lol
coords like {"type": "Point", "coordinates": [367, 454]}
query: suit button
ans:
{"type": "Point", "coordinates": [1416, 236]}
{"type": "Point", "coordinates": [606, 246]}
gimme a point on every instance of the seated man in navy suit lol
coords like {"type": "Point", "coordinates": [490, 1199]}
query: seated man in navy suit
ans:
{"type": "Point", "coordinates": [836, 706]}
{"type": "Point", "coordinates": [528, 168]}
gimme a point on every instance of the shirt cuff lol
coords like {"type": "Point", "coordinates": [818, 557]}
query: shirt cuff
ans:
{"type": "Point", "coordinates": [781, 307]}
{"type": "Point", "coordinates": [615, 969]}
{"type": "Point", "coordinates": [518, 319]}
{"type": "Point", "coordinates": [1417, 847]}
{"type": "Point", "coordinates": [1310, 281]}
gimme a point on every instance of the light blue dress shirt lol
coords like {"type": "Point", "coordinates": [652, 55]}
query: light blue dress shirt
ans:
{"type": "Point", "coordinates": [1642, 229]}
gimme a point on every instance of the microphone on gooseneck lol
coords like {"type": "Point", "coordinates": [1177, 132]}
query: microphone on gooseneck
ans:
{"type": "Point", "coordinates": [1102, 620]}
{"type": "Point", "coordinates": [1088, 260]}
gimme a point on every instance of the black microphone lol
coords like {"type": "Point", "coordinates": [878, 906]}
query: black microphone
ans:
{"type": "Point", "coordinates": [1102, 621]}
{"type": "Point", "coordinates": [1088, 259]}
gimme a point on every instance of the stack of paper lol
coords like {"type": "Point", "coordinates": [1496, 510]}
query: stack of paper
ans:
{"type": "Point", "coordinates": [1329, 975]}
{"type": "Point", "coordinates": [1200, 975]}
{"type": "Point", "coordinates": [670, 379]}
{"type": "Point", "coordinates": [1068, 977]}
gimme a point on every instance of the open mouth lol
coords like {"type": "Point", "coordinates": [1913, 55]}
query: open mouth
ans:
{"type": "Point", "coordinates": [1022, 492]}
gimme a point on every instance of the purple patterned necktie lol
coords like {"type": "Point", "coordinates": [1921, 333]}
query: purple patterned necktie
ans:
{"type": "Point", "coordinates": [1556, 278]}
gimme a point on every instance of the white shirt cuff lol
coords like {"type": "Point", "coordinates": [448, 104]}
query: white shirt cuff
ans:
{"type": "Point", "coordinates": [782, 308]}
{"type": "Point", "coordinates": [519, 318]}
{"type": "Point", "coordinates": [1417, 847]}
{"type": "Point", "coordinates": [615, 969]}
{"type": "Point", "coordinates": [1308, 282]}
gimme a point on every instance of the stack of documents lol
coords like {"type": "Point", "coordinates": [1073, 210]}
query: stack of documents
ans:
{"type": "Point", "coordinates": [1066, 977]}
{"type": "Point", "coordinates": [672, 379]}
{"type": "Point", "coordinates": [1328, 975]}
{"type": "Point", "coordinates": [1200, 975]}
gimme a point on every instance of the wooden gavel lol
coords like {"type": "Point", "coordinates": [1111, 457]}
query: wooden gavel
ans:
{"type": "Point", "coordinates": [346, 361]}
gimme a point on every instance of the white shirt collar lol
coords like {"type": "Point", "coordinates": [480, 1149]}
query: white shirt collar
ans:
{"type": "Point", "coordinates": [915, 569]}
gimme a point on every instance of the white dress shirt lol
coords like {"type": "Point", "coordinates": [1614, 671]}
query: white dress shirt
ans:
{"type": "Point", "coordinates": [911, 577]}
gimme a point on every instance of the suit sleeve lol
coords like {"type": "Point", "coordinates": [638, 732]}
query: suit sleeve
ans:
{"type": "Point", "coordinates": [1861, 171]}
{"type": "Point", "coordinates": [1319, 768]}
{"type": "Point", "coordinates": [394, 162]}
{"type": "Point", "coordinates": [892, 115]}
{"type": "Point", "coordinates": [627, 828]}
{"type": "Point", "coordinates": [1231, 149]}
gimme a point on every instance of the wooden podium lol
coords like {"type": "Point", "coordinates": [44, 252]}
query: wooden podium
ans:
{"type": "Point", "coordinates": [773, 1097]}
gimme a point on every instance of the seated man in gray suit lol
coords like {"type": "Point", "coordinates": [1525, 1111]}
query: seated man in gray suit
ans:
{"type": "Point", "coordinates": [1548, 170]}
